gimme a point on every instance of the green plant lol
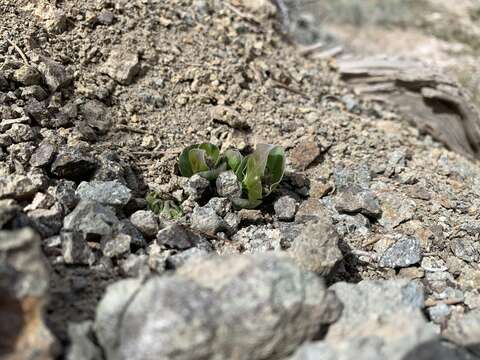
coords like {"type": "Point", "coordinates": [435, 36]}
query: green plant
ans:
{"type": "Point", "coordinates": [205, 160]}
{"type": "Point", "coordinates": [165, 208]}
{"type": "Point", "coordinates": [260, 173]}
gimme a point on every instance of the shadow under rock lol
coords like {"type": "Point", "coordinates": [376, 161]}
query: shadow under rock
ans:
{"type": "Point", "coordinates": [74, 294]}
{"type": "Point", "coordinates": [441, 350]}
{"type": "Point", "coordinates": [348, 269]}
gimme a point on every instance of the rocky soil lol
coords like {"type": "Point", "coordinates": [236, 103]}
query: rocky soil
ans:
{"type": "Point", "coordinates": [368, 249]}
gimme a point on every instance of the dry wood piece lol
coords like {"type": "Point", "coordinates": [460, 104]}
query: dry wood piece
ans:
{"type": "Point", "coordinates": [431, 101]}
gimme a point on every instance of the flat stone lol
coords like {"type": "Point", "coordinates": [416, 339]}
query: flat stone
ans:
{"type": "Point", "coordinates": [111, 193]}
{"type": "Point", "coordinates": [316, 247]}
{"type": "Point", "coordinates": [55, 75]}
{"type": "Point", "coordinates": [43, 155]}
{"type": "Point", "coordinates": [206, 219]}
{"type": "Point", "coordinates": [47, 222]}
{"type": "Point", "coordinates": [357, 177]}
{"type": "Point", "coordinates": [94, 113]}
{"type": "Point", "coordinates": [401, 336]}
{"type": "Point", "coordinates": [27, 75]}
{"type": "Point", "coordinates": [229, 116]}
{"type": "Point", "coordinates": [105, 17]}
{"type": "Point", "coordinates": [177, 236]}
{"type": "Point", "coordinates": [373, 299]}
{"type": "Point", "coordinates": [285, 208]}
{"type": "Point", "coordinates": [257, 239]}
{"type": "Point", "coordinates": [405, 251]}
{"type": "Point", "coordinates": [396, 209]}
{"type": "Point", "coordinates": [73, 164]}
{"type": "Point", "coordinates": [122, 65]}
{"type": "Point", "coordinates": [116, 246]}
{"type": "Point", "coordinates": [145, 221]}
{"type": "Point", "coordinates": [92, 219]}
{"type": "Point", "coordinates": [178, 260]}
{"type": "Point", "coordinates": [304, 154]}
{"type": "Point", "coordinates": [358, 201]}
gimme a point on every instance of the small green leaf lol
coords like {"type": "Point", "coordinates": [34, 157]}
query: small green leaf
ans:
{"type": "Point", "coordinates": [234, 159]}
{"type": "Point", "coordinates": [212, 154]}
{"type": "Point", "coordinates": [203, 159]}
{"type": "Point", "coordinates": [275, 169]}
{"type": "Point", "coordinates": [171, 210]}
{"type": "Point", "coordinates": [198, 163]}
{"type": "Point", "coordinates": [184, 163]}
{"type": "Point", "coordinates": [260, 172]}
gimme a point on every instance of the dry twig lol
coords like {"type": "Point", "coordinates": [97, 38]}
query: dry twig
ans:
{"type": "Point", "coordinates": [19, 51]}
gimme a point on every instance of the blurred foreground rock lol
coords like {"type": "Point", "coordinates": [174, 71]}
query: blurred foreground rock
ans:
{"type": "Point", "coordinates": [239, 307]}
{"type": "Point", "coordinates": [23, 289]}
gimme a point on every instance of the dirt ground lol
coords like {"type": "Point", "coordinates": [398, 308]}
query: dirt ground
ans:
{"type": "Point", "coordinates": [222, 72]}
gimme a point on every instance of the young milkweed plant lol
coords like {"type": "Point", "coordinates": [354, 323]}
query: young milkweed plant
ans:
{"type": "Point", "coordinates": [259, 173]}
{"type": "Point", "coordinates": [205, 160]}
{"type": "Point", "coordinates": [165, 208]}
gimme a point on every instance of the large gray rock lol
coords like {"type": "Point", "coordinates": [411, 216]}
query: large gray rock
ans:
{"type": "Point", "coordinates": [316, 247]}
{"type": "Point", "coordinates": [380, 320]}
{"type": "Point", "coordinates": [23, 289]}
{"type": "Point", "coordinates": [111, 193]}
{"type": "Point", "coordinates": [243, 307]}
{"type": "Point", "coordinates": [464, 330]}
{"type": "Point", "coordinates": [83, 346]}
{"type": "Point", "coordinates": [374, 298]}
{"type": "Point", "coordinates": [402, 336]}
